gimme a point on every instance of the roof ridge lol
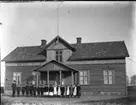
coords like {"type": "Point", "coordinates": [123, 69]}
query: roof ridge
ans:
{"type": "Point", "coordinates": [98, 42]}
{"type": "Point", "coordinates": [28, 46]}
{"type": "Point", "coordinates": [75, 43]}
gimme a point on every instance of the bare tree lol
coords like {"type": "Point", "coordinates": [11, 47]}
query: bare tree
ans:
{"type": "Point", "coordinates": [133, 80]}
{"type": "Point", "coordinates": [127, 81]}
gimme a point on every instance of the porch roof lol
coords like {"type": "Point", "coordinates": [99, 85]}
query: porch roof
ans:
{"type": "Point", "coordinates": [53, 65]}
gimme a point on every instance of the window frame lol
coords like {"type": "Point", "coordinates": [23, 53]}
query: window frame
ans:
{"type": "Point", "coordinates": [59, 55]}
{"type": "Point", "coordinates": [108, 76]}
{"type": "Point", "coordinates": [84, 76]}
{"type": "Point", "coordinates": [16, 77]}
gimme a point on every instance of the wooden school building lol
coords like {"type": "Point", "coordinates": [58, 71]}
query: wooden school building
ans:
{"type": "Point", "coordinates": [99, 67]}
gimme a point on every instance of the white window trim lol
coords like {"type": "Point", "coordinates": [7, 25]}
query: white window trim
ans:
{"type": "Point", "coordinates": [59, 55]}
{"type": "Point", "coordinates": [108, 80]}
{"type": "Point", "coordinates": [20, 76]}
{"type": "Point", "coordinates": [84, 76]}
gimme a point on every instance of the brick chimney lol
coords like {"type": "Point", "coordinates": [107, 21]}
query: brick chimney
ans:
{"type": "Point", "coordinates": [43, 43]}
{"type": "Point", "coordinates": [79, 40]}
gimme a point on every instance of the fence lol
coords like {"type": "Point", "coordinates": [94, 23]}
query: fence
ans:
{"type": "Point", "coordinates": [131, 90]}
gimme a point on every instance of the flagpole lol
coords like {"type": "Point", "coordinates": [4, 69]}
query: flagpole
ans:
{"type": "Point", "coordinates": [58, 19]}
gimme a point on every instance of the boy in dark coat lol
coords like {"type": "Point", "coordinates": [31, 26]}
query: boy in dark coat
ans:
{"type": "Point", "coordinates": [34, 90]}
{"type": "Point", "coordinates": [31, 89]}
{"type": "Point", "coordinates": [23, 89]}
{"type": "Point", "coordinates": [71, 90]}
{"type": "Point", "coordinates": [40, 88]}
{"type": "Point", "coordinates": [18, 87]}
{"type": "Point", "coordinates": [62, 90]}
{"type": "Point", "coordinates": [78, 90]}
{"type": "Point", "coordinates": [27, 89]}
{"type": "Point", "coordinates": [13, 88]}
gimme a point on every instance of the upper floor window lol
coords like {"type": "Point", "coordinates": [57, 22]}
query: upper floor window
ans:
{"type": "Point", "coordinates": [84, 77]}
{"type": "Point", "coordinates": [17, 77]}
{"type": "Point", "coordinates": [108, 76]}
{"type": "Point", "coordinates": [59, 57]}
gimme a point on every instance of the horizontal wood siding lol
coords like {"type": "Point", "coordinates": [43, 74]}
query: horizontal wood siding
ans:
{"type": "Point", "coordinates": [96, 76]}
{"type": "Point", "coordinates": [97, 79]}
{"type": "Point", "coordinates": [26, 72]}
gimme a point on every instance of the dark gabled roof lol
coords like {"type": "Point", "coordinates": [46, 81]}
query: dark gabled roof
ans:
{"type": "Point", "coordinates": [62, 41]}
{"type": "Point", "coordinates": [29, 53]}
{"type": "Point", "coordinates": [54, 62]}
{"type": "Point", "coordinates": [99, 50]}
{"type": "Point", "coordinates": [84, 51]}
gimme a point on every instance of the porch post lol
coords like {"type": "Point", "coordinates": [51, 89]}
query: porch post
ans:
{"type": "Point", "coordinates": [37, 78]}
{"type": "Point", "coordinates": [78, 78]}
{"type": "Point", "coordinates": [48, 78]}
{"type": "Point", "coordinates": [34, 77]}
{"type": "Point", "coordinates": [60, 78]}
{"type": "Point", "coordinates": [72, 77]}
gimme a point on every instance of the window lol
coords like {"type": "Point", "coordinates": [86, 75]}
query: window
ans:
{"type": "Point", "coordinates": [17, 77]}
{"type": "Point", "coordinates": [84, 77]}
{"type": "Point", "coordinates": [108, 76]}
{"type": "Point", "coordinates": [59, 56]}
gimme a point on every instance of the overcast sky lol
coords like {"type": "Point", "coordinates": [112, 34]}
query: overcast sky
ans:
{"type": "Point", "coordinates": [25, 24]}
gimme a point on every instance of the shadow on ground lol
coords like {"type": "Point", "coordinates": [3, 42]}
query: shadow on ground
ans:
{"type": "Point", "coordinates": [130, 100]}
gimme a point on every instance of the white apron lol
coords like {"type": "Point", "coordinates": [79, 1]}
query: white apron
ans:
{"type": "Point", "coordinates": [68, 92]}
{"type": "Point", "coordinates": [16, 103]}
{"type": "Point", "coordinates": [36, 93]}
{"type": "Point", "coordinates": [26, 104]}
{"type": "Point", "coordinates": [45, 93]}
{"type": "Point", "coordinates": [55, 90]}
{"type": "Point", "coordinates": [75, 91]}
{"type": "Point", "coordinates": [51, 93]}
{"type": "Point", "coordinates": [20, 103]}
{"type": "Point", "coordinates": [34, 103]}
{"type": "Point", "coordinates": [59, 92]}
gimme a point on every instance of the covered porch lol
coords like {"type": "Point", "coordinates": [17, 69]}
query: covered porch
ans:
{"type": "Point", "coordinates": [55, 73]}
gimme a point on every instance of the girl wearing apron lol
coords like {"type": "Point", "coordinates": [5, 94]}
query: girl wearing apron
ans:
{"type": "Point", "coordinates": [46, 90]}
{"type": "Point", "coordinates": [68, 91]}
{"type": "Point", "coordinates": [75, 91]}
{"type": "Point", "coordinates": [55, 90]}
{"type": "Point", "coordinates": [59, 91]}
{"type": "Point", "coordinates": [51, 90]}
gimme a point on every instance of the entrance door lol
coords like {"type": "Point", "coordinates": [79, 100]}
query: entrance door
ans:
{"type": "Point", "coordinates": [53, 77]}
{"type": "Point", "coordinates": [44, 76]}
{"type": "Point", "coordinates": [66, 78]}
